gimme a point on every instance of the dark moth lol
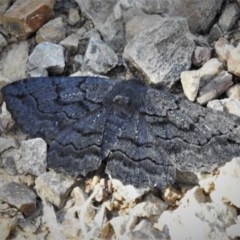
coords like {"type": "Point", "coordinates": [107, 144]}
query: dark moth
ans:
{"type": "Point", "coordinates": [142, 134]}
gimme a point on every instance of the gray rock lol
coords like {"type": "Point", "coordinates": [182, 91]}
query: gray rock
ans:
{"type": "Point", "coordinates": [34, 157]}
{"type": "Point", "coordinates": [215, 33]}
{"type": "Point", "coordinates": [54, 187]}
{"type": "Point", "coordinates": [73, 16]}
{"type": "Point", "coordinates": [215, 87]}
{"type": "Point", "coordinates": [38, 72]}
{"type": "Point", "coordinates": [4, 4]}
{"type": "Point", "coordinates": [161, 52]}
{"type": "Point", "coordinates": [71, 43]}
{"type": "Point", "coordinates": [229, 17]}
{"type": "Point", "coordinates": [14, 61]}
{"type": "Point", "coordinates": [234, 91]}
{"type": "Point", "coordinates": [6, 143]}
{"type": "Point", "coordinates": [9, 165]}
{"type": "Point", "coordinates": [201, 55]}
{"type": "Point", "coordinates": [6, 121]}
{"type": "Point", "coordinates": [198, 221]}
{"type": "Point", "coordinates": [200, 15]}
{"type": "Point", "coordinates": [19, 196]}
{"type": "Point", "coordinates": [53, 31]}
{"type": "Point", "coordinates": [3, 42]}
{"type": "Point", "coordinates": [99, 57]}
{"type": "Point", "coordinates": [48, 56]}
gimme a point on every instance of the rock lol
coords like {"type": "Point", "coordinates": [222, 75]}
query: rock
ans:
{"type": "Point", "coordinates": [4, 4]}
{"type": "Point", "coordinates": [148, 208]}
{"type": "Point", "coordinates": [24, 17]}
{"type": "Point", "coordinates": [194, 195]}
{"type": "Point", "coordinates": [103, 16]}
{"type": "Point", "coordinates": [99, 57]}
{"type": "Point", "coordinates": [171, 195]}
{"type": "Point", "coordinates": [198, 221]}
{"type": "Point", "coordinates": [48, 56]}
{"type": "Point", "coordinates": [19, 196]}
{"type": "Point", "coordinates": [144, 230]}
{"type": "Point", "coordinates": [7, 224]}
{"type": "Point", "coordinates": [53, 31]}
{"type": "Point", "coordinates": [191, 80]}
{"type": "Point", "coordinates": [14, 61]}
{"type": "Point", "coordinates": [71, 43]}
{"type": "Point", "coordinates": [200, 15]}
{"type": "Point", "coordinates": [6, 121]}
{"type": "Point", "coordinates": [8, 164]}
{"type": "Point", "coordinates": [234, 91]}
{"type": "Point", "coordinates": [161, 52]}
{"type": "Point", "coordinates": [229, 17]}
{"type": "Point", "coordinates": [6, 143]}
{"type": "Point", "coordinates": [234, 230]}
{"type": "Point", "coordinates": [34, 157]}
{"type": "Point", "coordinates": [215, 87]}
{"type": "Point", "coordinates": [201, 55]}
{"type": "Point", "coordinates": [128, 192]}
{"type": "Point", "coordinates": [3, 42]}
{"type": "Point", "coordinates": [229, 54]}
{"type": "Point", "coordinates": [38, 72]}
{"type": "Point", "coordinates": [226, 184]}
{"type": "Point", "coordinates": [73, 16]}
{"type": "Point", "coordinates": [231, 105]}
{"type": "Point", "coordinates": [215, 33]}
{"type": "Point", "coordinates": [54, 187]}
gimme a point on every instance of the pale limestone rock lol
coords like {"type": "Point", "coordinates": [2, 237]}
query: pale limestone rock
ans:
{"type": "Point", "coordinates": [234, 91]}
{"type": "Point", "coordinates": [53, 187]}
{"type": "Point", "coordinates": [223, 49]}
{"type": "Point", "coordinates": [227, 184]}
{"type": "Point", "coordinates": [128, 192]}
{"type": "Point", "coordinates": [14, 61]}
{"type": "Point", "coordinates": [198, 221]}
{"type": "Point", "coordinates": [53, 31]}
{"type": "Point", "coordinates": [34, 157]}
{"type": "Point", "coordinates": [194, 195]}
{"type": "Point", "coordinates": [234, 230]}
{"type": "Point", "coordinates": [191, 80]}
{"type": "Point", "coordinates": [47, 55]}
{"type": "Point", "coordinates": [7, 224]}
{"type": "Point", "coordinates": [73, 16]}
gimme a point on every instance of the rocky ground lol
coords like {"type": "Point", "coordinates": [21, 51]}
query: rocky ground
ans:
{"type": "Point", "coordinates": [188, 47]}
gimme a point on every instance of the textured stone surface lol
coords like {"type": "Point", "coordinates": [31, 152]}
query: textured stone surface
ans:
{"type": "Point", "coordinates": [14, 62]}
{"type": "Point", "coordinates": [192, 80]}
{"type": "Point", "coordinates": [162, 51]}
{"type": "Point", "coordinates": [53, 31]}
{"type": "Point", "coordinates": [7, 224]}
{"type": "Point", "coordinates": [48, 56]}
{"type": "Point", "coordinates": [54, 187]}
{"type": "Point", "coordinates": [19, 196]}
{"type": "Point", "coordinates": [6, 143]}
{"type": "Point", "coordinates": [24, 17]}
{"type": "Point", "coordinates": [99, 57]}
{"type": "Point", "coordinates": [4, 4]}
{"type": "Point", "coordinates": [234, 91]}
{"type": "Point", "coordinates": [126, 123]}
{"type": "Point", "coordinates": [201, 55]}
{"type": "Point", "coordinates": [215, 87]}
{"type": "Point", "coordinates": [198, 221]}
{"type": "Point", "coordinates": [3, 42]}
{"type": "Point", "coordinates": [34, 157]}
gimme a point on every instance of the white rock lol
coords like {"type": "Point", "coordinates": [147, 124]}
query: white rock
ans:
{"type": "Point", "coordinates": [191, 80]}
{"type": "Point", "coordinates": [194, 195]}
{"type": "Point", "coordinates": [198, 221]}
{"type": "Point", "coordinates": [227, 184]}
{"type": "Point", "coordinates": [223, 49]}
{"type": "Point", "coordinates": [234, 230]}
{"type": "Point", "coordinates": [7, 224]}
{"type": "Point", "coordinates": [73, 16]}
{"type": "Point", "coordinates": [234, 91]}
{"type": "Point", "coordinates": [48, 56]}
{"type": "Point", "coordinates": [53, 187]}
{"type": "Point", "coordinates": [34, 157]}
{"type": "Point", "coordinates": [6, 121]}
{"type": "Point", "coordinates": [99, 57]}
{"type": "Point", "coordinates": [128, 192]}
{"type": "Point", "coordinates": [14, 61]}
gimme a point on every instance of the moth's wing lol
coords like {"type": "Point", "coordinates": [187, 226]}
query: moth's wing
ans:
{"type": "Point", "coordinates": [42, 107]}
{"type": "Point", "coordinates": [195, 138]}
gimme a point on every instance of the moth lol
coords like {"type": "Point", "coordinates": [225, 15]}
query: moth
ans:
{"type": "Point", "coordinates": [141, 135]}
